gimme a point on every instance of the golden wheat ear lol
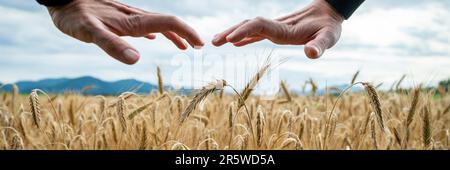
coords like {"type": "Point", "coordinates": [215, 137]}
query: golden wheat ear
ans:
{"type": "Point", "coordinates": [200, 96]}
{"type": "Point", "coordinates": [375, 103]}
{"type": "Point", "coordinates": [160, 81]}
{"type": "Point", "coordinates": [35, 107]}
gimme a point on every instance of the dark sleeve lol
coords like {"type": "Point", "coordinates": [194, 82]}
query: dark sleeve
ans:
{"type": "Point", "coordinates": [345, 7]}
{"type": "Point", "coordinates": [54, 2]}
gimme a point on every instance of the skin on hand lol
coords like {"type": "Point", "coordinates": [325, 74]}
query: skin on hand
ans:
{"type": "Point", "coordinates": [102, 22]}
{"type": "Point", "coordinates": [318, 27]}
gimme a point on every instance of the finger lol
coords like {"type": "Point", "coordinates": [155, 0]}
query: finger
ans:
{"type": "Point", "coordinates": [150, 23]}
{"type": "Point", "coordinates": [220, 38]}
{"type": "Point", "coordinates": [185, 31]}
{"type": "Point", "coordinates": [150, 36]}
{"type": "Point", "coordinates": [266, 28]}
{"type": "Point", "coordinates": [177, 40]}
{"type": "Point", "coordinates": [247, 41]}
{"type": "Point", "coordinates": [144, 21]}
{"type": "Point", "coordinates": [115, 47]}
{"type": "Point", "coordinates": [323, 41]}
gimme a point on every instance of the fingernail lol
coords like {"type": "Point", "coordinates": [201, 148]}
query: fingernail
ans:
{"type": "Point", "coordinates": [131, 55]}
{"type": "Point", "coordinates": [197, 47]}
{"type": "Point", "coordinates": [318, 51]}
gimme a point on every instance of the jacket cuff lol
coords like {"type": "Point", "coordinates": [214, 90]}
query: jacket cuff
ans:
{"type": "Point", "coordinates": [54, 3]}
{"type": "Point", "coordinates": [345, 7]}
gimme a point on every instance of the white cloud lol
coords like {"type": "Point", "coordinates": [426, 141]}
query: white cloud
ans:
{"type": "Point", "coordinates": [386, 28]}
{"type": "Point", "coordinates": [384, 43]}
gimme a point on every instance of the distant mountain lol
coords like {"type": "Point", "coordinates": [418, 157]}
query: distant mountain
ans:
{"type": "Point", "coordinates": [341, 87]}
{"type": "Point", "coordinates": [95, 86]}
{"type": "Point", "coordinates": [100, 87]}
{"type": "Point", "coordinates": [323, 90]}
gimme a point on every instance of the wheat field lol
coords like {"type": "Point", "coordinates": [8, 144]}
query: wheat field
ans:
{"type": "Point", "coordinates": [210, 119]}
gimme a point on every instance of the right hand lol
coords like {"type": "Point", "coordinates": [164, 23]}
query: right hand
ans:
{"type": "Point", "coordinates": [102, 22]}
{"type": "Point", "coordinates": [318, 27]}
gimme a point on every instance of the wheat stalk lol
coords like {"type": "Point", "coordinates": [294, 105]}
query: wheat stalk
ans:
{"type": "Point", "coordinates": [102, 106]}
{"type": "Point", "coordinates": [230, 116]}
{"type": "Point", "coordinates": [375, 102]}
{"type": "Point", "coordinates": [252, 84]}
{"type": "Point", "coordinates": [72, 112]}
{"type": "Point", "coordinates": [330, 128]}
{"type": "Point", "coordinates": [426, 127]}
{"type": "Point", "coordinates": [260, 123]}
{"type": "Point", "coordinates": [120, 106]}
{"type": "Point", "coordinates": [314, 87]}
{"type": "Point", "coordinates": [114, 132]}
{"type": "Point", "coordinates": [446, 110]}
{"type": "Point", "coordinates": [286, 91]}
{"type": "Point", "coordinates": [160, 80]}
{"type": "Point", "coordinates": [15, 94]}
{"type": "Point", "coordinates": [200, 96]}
{"type": "Point", "coordinates": [447, 139]}
{"type": "Point", "coordinates": [143, 142]}
{"type": "Point", "coordinates": [373, 134]}
{"type": "Point", "coordinates": [140, 109]}
{"type": "Point", "coordinates": [288, 142]}
{"type": "Point", "coordinates": [398, 139]}
{"type": "Point", "coordinates": [201, 118]}
{"type": "Point", "coordinates": [355, 76]}
{"type": "Point", "coordinates": [17, 143]}
{"type": "Point", "coordinates": [412, 108]}
{"type": "Point", "coordinates": [179, 146]}
{"type": "Point", "coordinates": [397, 86]}
{"type": "Point", "coordinates": [35, 107]}
{"type": "Point", "coordinates": [125, 96]}
{"type": "Point", "coordinates": [222, 92]}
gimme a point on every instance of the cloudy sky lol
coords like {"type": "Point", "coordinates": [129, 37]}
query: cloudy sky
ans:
{"type": "Point", "coordinates": [384, 39]}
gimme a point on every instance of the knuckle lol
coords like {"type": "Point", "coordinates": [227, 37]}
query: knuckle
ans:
{"type": "Point", "coordinates": [174, 18]}
{"type": "Point", "coordinates": [324, 42]}
{"type": "Point", "coordinates": [85, 19]}
{"type": "Point", "coordinates": [285, 33]}
{"type": "Point", "coordinates": [170, 22]}
{"type": "Point", "coordinates": [86, 31]}
{"type": "Point", "coordinates": [171, 18]}
{"type": "Point", "coordinates": [135, 21]}
{"type": "Point", "coordinates": [105, 42]}
{"type": "Point", "coordinates": [88, 28]}
{"type": "Point", "coordinates": [260, 20]}
{"type": "Point", "coordinates": [134, 24]}
{"type": "Point", "coordinates": [174, 23]}
{"type": "Point", "coordinates": [331, 37]}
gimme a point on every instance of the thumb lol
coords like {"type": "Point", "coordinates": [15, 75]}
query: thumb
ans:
{"type": "Point", "coordinates": [117, 48]}
{"type": "Point", "coordinates": [323, 41]}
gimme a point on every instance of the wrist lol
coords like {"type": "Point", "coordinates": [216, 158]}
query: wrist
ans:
{"type": "Point", "coordinates": [330, 10]}
{"type": "Point", "coordinates": [54, 3]}
{"type": "Point", "coordinates": [62, 10]}
{"type": "Point", "coordinates": [344, 7]}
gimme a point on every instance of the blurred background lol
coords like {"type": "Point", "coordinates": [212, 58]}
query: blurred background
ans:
{"type": "Point", "coordinates": [384, 39]}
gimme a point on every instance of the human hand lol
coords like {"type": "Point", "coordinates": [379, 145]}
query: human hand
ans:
{"type": "Point", "coordinates": [102, 22]}
{"type": "Point", "coordinates": [317, 26]}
